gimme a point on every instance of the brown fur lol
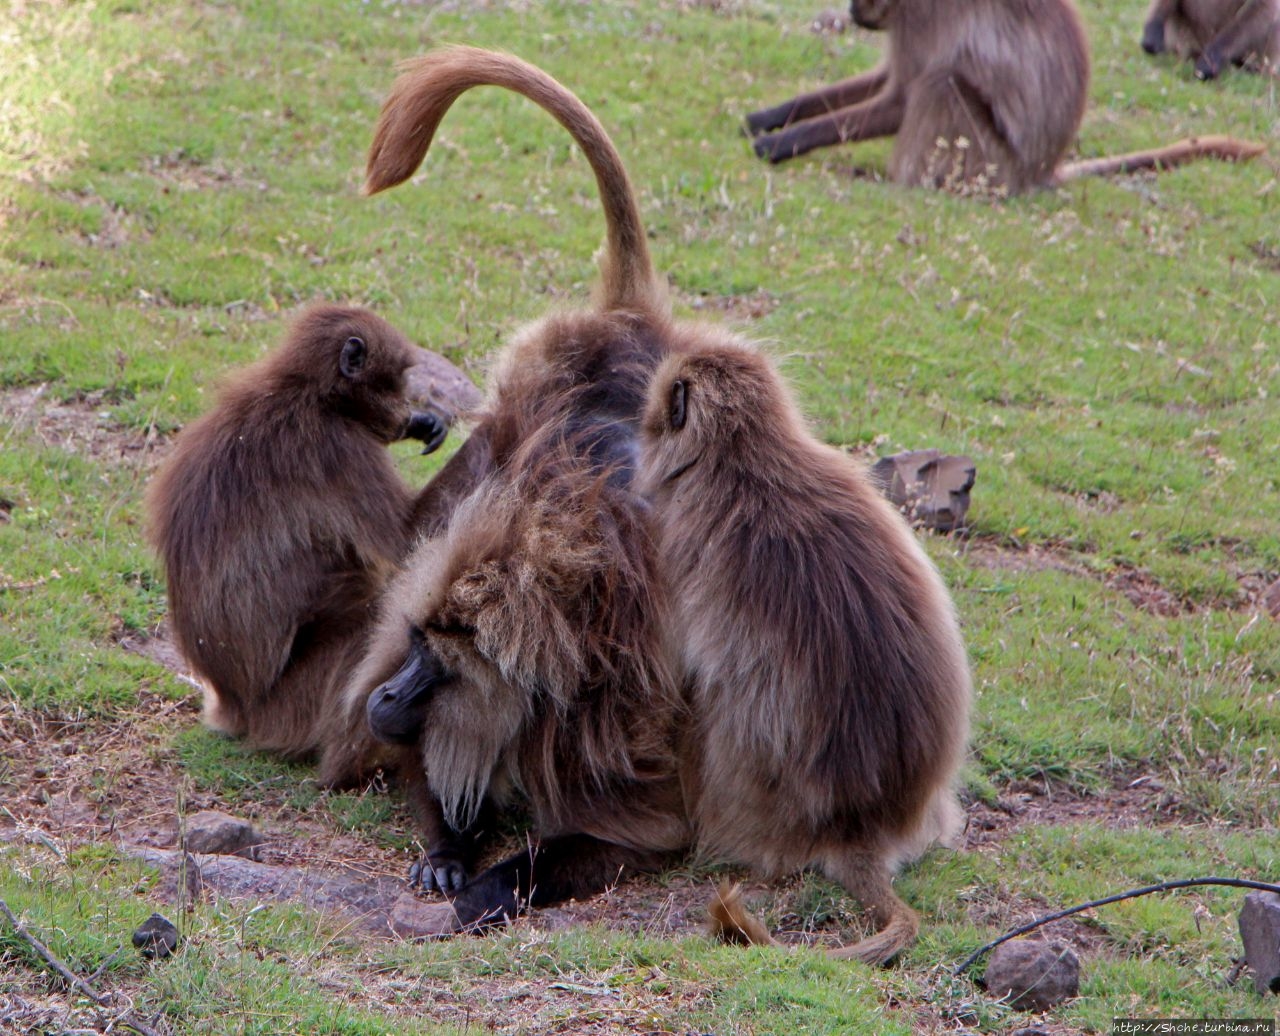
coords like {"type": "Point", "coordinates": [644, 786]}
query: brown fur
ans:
{"type": "Point", "coordinates": [278, 517]}
{"type": "Point", "coordinates": [541, 606]}
{"type": "Point", "coordinates": [1216, 33]}
{"type": "Point", "coordinates": [980, 94]}
{"type": "Point", "coordinates": [827, 673]}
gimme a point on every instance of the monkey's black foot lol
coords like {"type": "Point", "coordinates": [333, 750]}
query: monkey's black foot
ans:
{"type": "Point", "coordinates": [428, 429]}
{"type": "Point", "coordinates": [438, 873]}
{"type": "Point", "coordinates": [769, 119]}
{"type": "Point", "coordinates": [773, 148]}
{"type": "Point", "coordinates": [1208, 65]}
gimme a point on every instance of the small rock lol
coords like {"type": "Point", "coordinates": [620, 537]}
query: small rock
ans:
{"type": "Point", "coordinates": [220, 834]}
{"type": "Point", "coordinates": [413, 917]}
{"type": "Point", "coordinates": [1032, 974]}
{"type": "Point", "coordinates": [1260, 932]}
{"type": "Point", "coordinates": [156, 937]}
{"type": "Point", "coordinates": [1032, 1031]}
{"type": "Point", "coordinates": [931, 487]}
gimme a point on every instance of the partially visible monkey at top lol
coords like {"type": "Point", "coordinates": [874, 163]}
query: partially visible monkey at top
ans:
{"type": "Point", "coordinates": [576, 633]}
{"type": "Point", "coordinates": [979, 94]}
{"type": "Point", "coordinates": [1216, 34]}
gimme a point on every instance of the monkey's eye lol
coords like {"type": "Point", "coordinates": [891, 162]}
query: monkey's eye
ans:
{"type": "Point", "coordinates": [351, 362]}
{"type": "Point", "coordinates": [677, 412]}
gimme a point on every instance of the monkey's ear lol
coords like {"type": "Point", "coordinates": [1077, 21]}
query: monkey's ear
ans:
{"type": "Point", "coordinates": [676, 415]}
{"type": "Point", "coordinates": [351, 362]}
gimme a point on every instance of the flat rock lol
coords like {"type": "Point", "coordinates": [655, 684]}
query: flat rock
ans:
{"type": "Point", "coordinates": [436, 384]}
{"type": "Point", "coordinates": [211, 832]}
{"type": "Point", "coordinates": [413, 917]}
{"type": "Point", "coordinates": [365, 901]}
{"type": "Point", "coordinates": [1260, 933]}
{"type": "Point", "coordinates": [1033, 975]}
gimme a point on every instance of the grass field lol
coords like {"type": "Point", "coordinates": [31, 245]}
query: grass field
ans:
{"type": "Point", "coordinates": [176, 180]}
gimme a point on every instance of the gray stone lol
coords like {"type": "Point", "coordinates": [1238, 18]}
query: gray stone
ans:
{"type": "Point", "coordinates": [1033, 975]}
{"type": "Point", "coordinates": [1260, 933]}
{"type": "Point", "coordinates": [211, 832]}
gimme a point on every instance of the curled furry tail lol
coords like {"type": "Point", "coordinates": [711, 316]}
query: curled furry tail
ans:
{"type": "Point", "coordinates": [731, 922]}
{"type": "Point", "coordinates": [428, 86]}
{"type": "Point", "coordinates": [1227, 149]}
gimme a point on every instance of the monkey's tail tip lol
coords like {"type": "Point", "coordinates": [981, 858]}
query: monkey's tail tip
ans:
{"type": "Point", "coordinates": [730, 921]}
{"type": "Point", "coordinates": [1229, 149]}
{"type": "Point", "coordinates": [882, 947]}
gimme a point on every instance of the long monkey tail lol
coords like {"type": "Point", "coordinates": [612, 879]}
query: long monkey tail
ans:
{"type": "Point", "coordinates": [428, 86]}
{"type": "Point", "coordinates": [1228, 149]}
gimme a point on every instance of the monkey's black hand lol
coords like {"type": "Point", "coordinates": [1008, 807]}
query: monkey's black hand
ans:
{"type": "Point", "coordinates": [427, 428]}
{"type": "Point", "coordinates": [438, 872]}
{"type": "Point", "coordinates": [1153, 37]}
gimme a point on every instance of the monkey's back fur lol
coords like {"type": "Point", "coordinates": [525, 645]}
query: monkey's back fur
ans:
{"type": "Point", "coordinates": [827, 673]}
{"type": "Point", "coordinates": [278, 516]}
{"type": "Point", "coordinates": [1009, 78]}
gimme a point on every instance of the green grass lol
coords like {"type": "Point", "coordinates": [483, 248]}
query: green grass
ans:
{"type": "Point", "coordinates": [175, 180]}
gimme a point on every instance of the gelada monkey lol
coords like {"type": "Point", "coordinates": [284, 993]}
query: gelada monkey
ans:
{"type": "Point", "coordinates": [1216, 33]}
{"type": "Point", "coordinates": [279, 516]}
{"type": "Point", "coordinates": [522, 645]}
{"type": "Point", "coordinates": [820, 648]}
{"type": "Point", "coordinates": [978, 94]}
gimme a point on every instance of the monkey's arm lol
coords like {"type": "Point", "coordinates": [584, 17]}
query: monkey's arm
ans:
{"type": "Point", "coordinates": [819, 102]}
{"type": "Point", "coordinates": [447, 853]}
{"type": "Point", "coordinates": [879, 117]}
{"type": "Point", "coordinates": [1153, 30]}
{"type": "Point", "coordinates": [460, 475]}
{"type": "Point", "coordinates": [1237, 38]}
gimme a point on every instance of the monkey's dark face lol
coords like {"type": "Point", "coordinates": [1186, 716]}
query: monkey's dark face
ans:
{"type": "Point", "coordinates": [871, 14]}
{"type": "Point", "coordinates": [397, 709]}
{"type": "Point", "coordinates": [371, 359]}
{"type": "Point", "coordinates": [355, 363]}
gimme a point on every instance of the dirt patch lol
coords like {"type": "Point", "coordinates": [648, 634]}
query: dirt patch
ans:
{"type": "Point", "coordinates": [742, 308]}
{"type": "Point", "coordinates": [1257, 591]}
{"type": "Point", "coordinates": [82, 425]}
{"type": "Point", "coordinates": [1129, 803]}
{"type": "Point", "coordinates": [183, 172]}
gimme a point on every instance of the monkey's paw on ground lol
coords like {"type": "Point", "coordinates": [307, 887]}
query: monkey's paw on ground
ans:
{"type": "Point", "coordinates": [930, 486]}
